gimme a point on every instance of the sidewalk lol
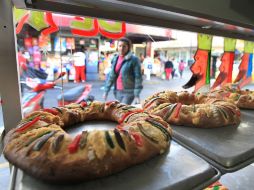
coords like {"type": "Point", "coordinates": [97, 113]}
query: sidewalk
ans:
{"type": "Point", "coordinates": [149, 87]}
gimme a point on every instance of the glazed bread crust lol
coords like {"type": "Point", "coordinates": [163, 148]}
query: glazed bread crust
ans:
{"type": "Point", "coordinates": [44, 150]}
{"type": "Point", "coordinates": [241, 98]}
{"type": "Point", "coordinates": [192, 110]}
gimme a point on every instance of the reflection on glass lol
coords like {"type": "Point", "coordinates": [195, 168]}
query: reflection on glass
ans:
{"type": "Point", "coordinates": [48, 44]}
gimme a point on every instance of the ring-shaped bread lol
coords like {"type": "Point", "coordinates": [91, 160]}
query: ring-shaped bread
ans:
{"type": "Point", "coordinates": [193, 110]}
{"type": "Point", "coordinates": [241, 98]}
{"type": "Point", "coordinates": [40, 147]}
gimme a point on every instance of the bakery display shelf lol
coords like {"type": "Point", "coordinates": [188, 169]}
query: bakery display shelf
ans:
{"type": "Point", "coordinates": [213, 17]}
{"type": "Point", "coordinates": [241, 179]}
{"type": "Point", "coordinates": [177, 169]}
{"type": "Point", "coordinates": [227, 148]}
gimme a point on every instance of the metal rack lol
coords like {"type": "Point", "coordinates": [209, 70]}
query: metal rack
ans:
{"type": "Point", "coordinates": [223, 18]}
{"type": "Point", "coordinates": [227, 148]}
{"type": "Point", "coordinates": [177, 169]}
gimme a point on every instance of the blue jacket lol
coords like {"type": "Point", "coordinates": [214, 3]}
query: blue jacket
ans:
{"type": "Point", "coordinates": [131, 74]}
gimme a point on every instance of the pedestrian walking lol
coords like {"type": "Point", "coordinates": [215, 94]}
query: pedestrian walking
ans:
{"type": "Point", "coordinates": [148, 66]}
{"type": "Point", "coordinates": [168, 69]}
{"type": "Point", "coordinates": [79, 58]}
{"type": "Point", "coordinates": [125, 74]}
{"type": "Point", "coordinates": [181, 66]}
{"type": "Point", "coordinates": [174, 68]}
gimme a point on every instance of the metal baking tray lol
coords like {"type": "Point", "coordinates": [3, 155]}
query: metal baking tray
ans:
{"type": "Point", "coordinates": [177, 169]}
{"type": "Point", "coordinates": [242, 179]}
{"type": "Point", "coordinates": [227, 148]}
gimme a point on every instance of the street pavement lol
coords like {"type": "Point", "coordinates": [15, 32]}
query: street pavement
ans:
{"type": "Point", "coordinates": [149, 87]}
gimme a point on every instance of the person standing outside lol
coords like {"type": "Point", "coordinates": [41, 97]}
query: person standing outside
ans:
{"type": "Point", "coordinates": [174, 67]}
{"type": "Point", "coordinates": [125, 74]}
{"type": "Point", "coordinates": [79, 58]}
{"type": "Point", "coordinates": [168, 69]}
{"type": "Point", "coordinates": [181, 67]}
{"type": "Point", "coordinates": [141, 59]}
{"type": "Point", "coordinates": [37, 59]}
{"type": "Point", "coordinates": [148, 66]}
{"type": "Point", "coordinates": [107, 65]}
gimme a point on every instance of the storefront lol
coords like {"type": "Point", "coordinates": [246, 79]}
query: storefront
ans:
{"type": "Point", "coordinates": [51, 52]}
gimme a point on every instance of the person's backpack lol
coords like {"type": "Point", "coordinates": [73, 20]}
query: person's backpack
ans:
{"type": "Point", "coordinates": [150, 66]}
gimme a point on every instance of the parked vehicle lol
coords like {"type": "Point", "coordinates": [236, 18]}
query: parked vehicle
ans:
{"type": "Point", "coordinates": [33, 95]}
{"type": "Point", "coordinates": [75, 95]}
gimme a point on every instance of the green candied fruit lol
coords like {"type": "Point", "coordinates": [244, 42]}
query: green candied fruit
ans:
{"type": "Point", "coordinates": [119, 139]}
{"type": "Point", "coordinates": [109, 140]}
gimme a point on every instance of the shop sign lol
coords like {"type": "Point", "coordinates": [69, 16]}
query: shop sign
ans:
{"type": "Point", "coordinates": [87, 27]}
